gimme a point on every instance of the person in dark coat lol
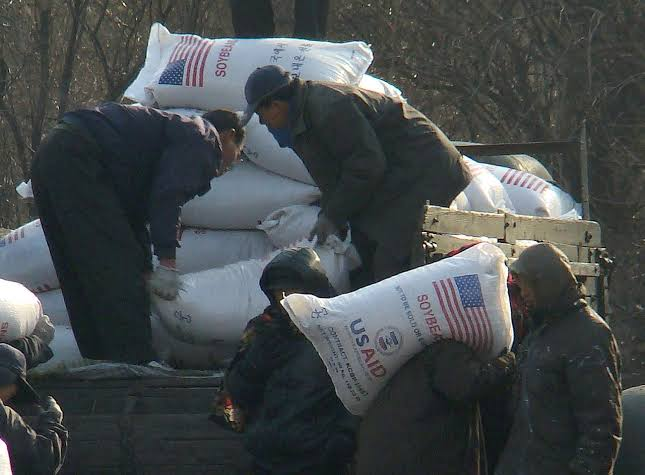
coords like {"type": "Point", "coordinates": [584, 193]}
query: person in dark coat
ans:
{"type": "Point", "coordinates": [99, 178]}
{"type": "Point", "coordinates": [376, 159]}
{"type": "Point", "coordinates": [254, 18]}
{"type": "Point", "coordinates": [285, 402]}
{"type": "Point", "coordinates": [426, 420]}
{"type": "Point", "coordinates": [567, 413]}
{"type": "Point", "coordinates": [38, 450]}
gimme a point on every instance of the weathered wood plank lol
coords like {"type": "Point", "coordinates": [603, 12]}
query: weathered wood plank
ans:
{"type": "Point", "coordinates": [576, 232]}
{"type": "Point", "coordinates": [470, 223]}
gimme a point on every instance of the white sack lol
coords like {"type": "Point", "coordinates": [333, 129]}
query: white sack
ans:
{"type": "Point", "coordinates": [289, 225]}
{"type": "Point", "coordinates": [262, 149]}
{"type": "Point", "coordinates": [66, 353]}
{"type": "Point", "coordinates": [20, 310]}
{"type": "Point", "coordinates": [460, 203]}
{"type": "Point", "coordinates": [183, 355]}
{"type": "Point", "coordinates": [243, 197]}
{"type": "Point", "coordinates": [25, 258]}
{"type": "Point", "coordinates": [216, 304]}
{"type": "Point", "coordinates": [530, 194]}
{"type": "Point", "coordinates": [485, 193]}
{"type": "Point", "coordinates": [189, 71]}
{"type": "Point", "coordinates": [364, 337]}
{"type": "Point", "coordinates": [372, 83]}
{"type": "Point", "coordinates": [203, 249]}
{"type": "Point", "coordinates": [25, 190]}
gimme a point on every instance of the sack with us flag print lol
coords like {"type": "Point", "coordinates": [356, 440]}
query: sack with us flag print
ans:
{"type": "Point", "coordinates": [183, 70]}
{"type": "Point", "coordinates": [364, 337]}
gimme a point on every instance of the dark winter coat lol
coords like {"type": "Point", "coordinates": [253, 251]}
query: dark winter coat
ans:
{"type": "Point", "coordinates": [36, 351]}
{"type": "Point", "coordinates": [567, 408]}
{"type": "Point", "coordinates": [33, 451]}
{"type": "Point", "coordinates": [426, 420]}
{"type": "Point", "coordinates": [294, 422]}
{"type": "Point", "coordinates": [376, 159]}
{"type": "Point", "coordinates": [156, 161]}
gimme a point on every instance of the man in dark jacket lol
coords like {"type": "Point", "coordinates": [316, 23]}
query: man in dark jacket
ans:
{"type": "Point", "coordinates": [426, 420]}
{"type": "Point", "coordinates": [34, 451]}
{"type": "Point", "coordinates": [567, 416]}
{"type": "Point", "coordinates": [293, 421]}
{"type": "Point", "coordinates": [376, 159]}
{"type": "Point", "coordinates": [99, 178]}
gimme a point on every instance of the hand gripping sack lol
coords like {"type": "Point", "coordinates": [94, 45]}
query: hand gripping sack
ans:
{"type": "Point", "coordinates": [20, 310]}
{"type": "Point", "coordinates": [189, 71]}
{"type": "Point", "coordinates": [531, 195]}
{"type": "Point", "coordinates": [243, 197]}
{"type": "Point", "coordinates": [25, 258]}
{"type": "Point", "coordinates": [215, 305]}
{"type": "Point", "coordinates": [364, 337]}
{"type": "Point", "coordinates": [484, 192]}
{"type": "Point", "coordinates": [203, 249]}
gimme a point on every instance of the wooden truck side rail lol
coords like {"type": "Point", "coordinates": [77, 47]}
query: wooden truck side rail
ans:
{"type": "Point", "coordinates": [445, 229]}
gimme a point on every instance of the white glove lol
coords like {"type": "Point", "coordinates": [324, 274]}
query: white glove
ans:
{"type": "Point", "coordinates": [44, 329]}
{"type": "Point", "coordinates": [164, 282]}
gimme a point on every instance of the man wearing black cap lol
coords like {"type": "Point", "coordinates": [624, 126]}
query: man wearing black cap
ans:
{"type": "Point", "coordinates": [38, 450]}
{"type": "Point", "coordinates": [376, 159]}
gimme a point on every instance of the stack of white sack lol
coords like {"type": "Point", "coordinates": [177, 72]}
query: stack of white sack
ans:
{"type": "Point", "coordinates": [216, 304]}
{"type": "Point", "coordinates": [484, 193]}
{"type": "Point", "coordinates": [241, 198]}
{"type": "Point", "coordinates": [25, 257]}
{"type": "Point", "coordinates": [189, 71]}
{"type": "Point", "coordinates": [364, 337]}
{"type": "Point", "coordinates": [175, 352]}
{"type": "Point", "coordinates": [534, 196]}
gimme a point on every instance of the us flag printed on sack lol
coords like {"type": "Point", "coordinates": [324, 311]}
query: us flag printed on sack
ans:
{"type": "Point", "coordinates": [462, 304]}
{"type": "Point", "coordinates": [187, 61]}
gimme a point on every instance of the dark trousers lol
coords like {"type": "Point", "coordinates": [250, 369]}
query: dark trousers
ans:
{"type": "Point", "coordinates": [254, 18]}
{"type": "Point", "coordinates": [98, 256]}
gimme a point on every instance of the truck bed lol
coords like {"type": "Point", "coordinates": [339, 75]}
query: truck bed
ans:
{"type": "Point", "coordinates": [146, 426]}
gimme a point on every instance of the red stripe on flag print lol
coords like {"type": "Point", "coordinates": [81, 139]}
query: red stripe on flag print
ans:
{"type": "Point", "coordinates": [449, 302]}
{"type": "Point", "coordinates": [539, 183]}
{"type": "Point", "coordinates": [489, 347]}
{"type": "Point", "coordinates": [528, 177]}
{"type": "Point", "coordinates": [509, 178]}
{"type": "Point", "coordinates": [478, 341]}
{"type": "Point", "coordinates": [530, 183]}
{"type": "Point", "coordinates": [173, 56]}
{"type": "Point", "coordinates": [201, 67]}
{"type": "Point", "coordinates": [195, 62]}
{"type": "Point", "coordinates": [519, 178]}
{"type": "Point", "coordinates": [446, 315]}
{"type": "Point", "coordinates": [505, 175]}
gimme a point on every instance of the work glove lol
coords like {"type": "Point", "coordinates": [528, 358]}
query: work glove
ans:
{"type": "Point", "coordinates": [505, 364]}
{"type": "Point", "coordinates": [165, 283]}
{"type": "Point", "coordinates": [51, 410]}
{"type": "Point", "coordinates": [323, 228]}
{"type": "Point", "coordinates": [44, 329]}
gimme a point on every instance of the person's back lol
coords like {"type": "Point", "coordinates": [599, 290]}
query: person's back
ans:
{"type": "Point", "coordinates": [426, 420]}
{"type": "Point", "coordinates": [136, 142]}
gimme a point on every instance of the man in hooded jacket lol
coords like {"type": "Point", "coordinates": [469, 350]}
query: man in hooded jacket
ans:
{"type": "Point", "coordinates": [283, 398]}
{"type": "Point", "coordinates": [567, 413]}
